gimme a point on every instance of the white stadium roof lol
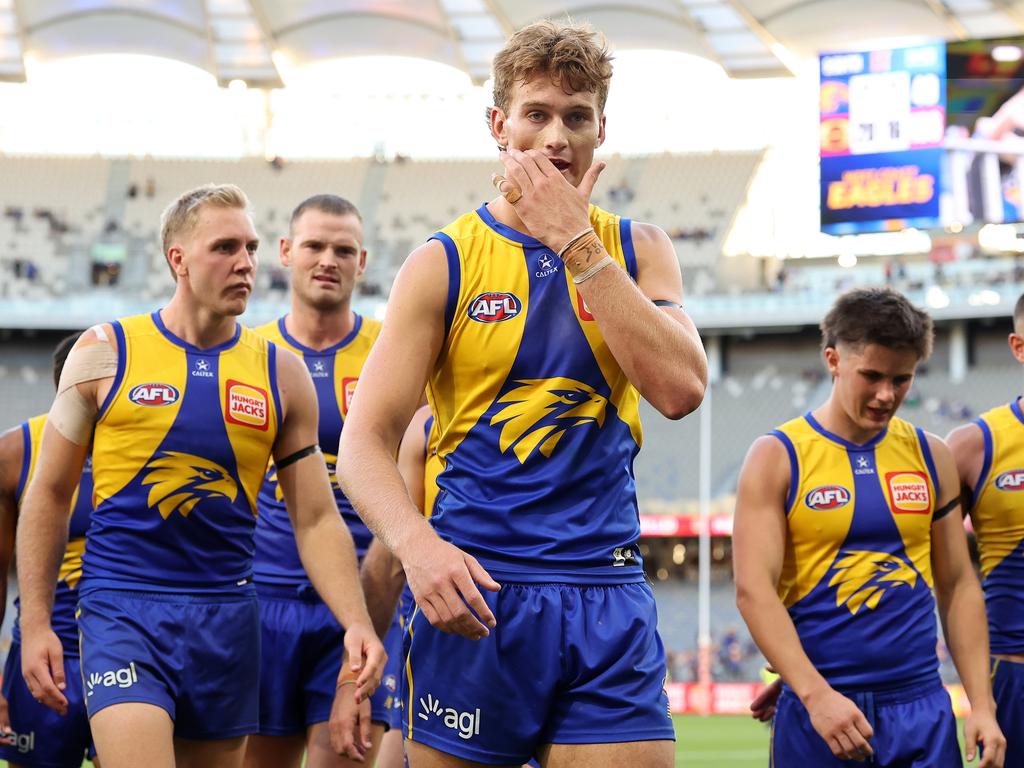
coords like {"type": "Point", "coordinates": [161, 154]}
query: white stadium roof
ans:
{"type": "Point", "coordinates": [244, 39]}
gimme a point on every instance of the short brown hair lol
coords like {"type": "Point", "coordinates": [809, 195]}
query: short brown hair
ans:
{"type": "Point", "coordinates": [573, 56]}
{"type": "Point", "coordinates": [878, 316]}
{"type": "Point", "coordinates": [333, 205]}
{"type": "Point", "coordinates": [1018, 315]}
{"type": "Point", "coordinates": [183, 214]}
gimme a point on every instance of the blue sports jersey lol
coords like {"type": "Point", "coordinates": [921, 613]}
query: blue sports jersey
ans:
{"type": "Point", "coordinates": [179, 452]}
{"type": "Point", "coordinates": [536, 424]}
{"type": "Point", "coordinates": [335, 371]}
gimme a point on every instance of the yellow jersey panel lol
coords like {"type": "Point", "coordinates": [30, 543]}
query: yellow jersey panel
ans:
{"type": "Point", "coordinates": [997, 512]}
{"type": "Point", "coordinates": [536, 425]}
{"type": "Point", "coordinates": [857, 565]}
{"type": "Point", "coordinates": [179, 452]}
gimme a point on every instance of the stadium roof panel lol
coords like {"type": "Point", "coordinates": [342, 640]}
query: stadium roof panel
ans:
{"type": "Point", "coordinates": [237, 38]}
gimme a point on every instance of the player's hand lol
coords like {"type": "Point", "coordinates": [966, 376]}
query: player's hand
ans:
{"type": "Point", "coordinates": [763, 707]}
{"type": "Point", "coordinates": [840, 723]}
{"type": "Point", "coordinates": [42, 665]}
{"type": "Point", "coordinates": [444, 579]}
{"type": "Point", "coordinates": [365, 659]}
{"type": "Point", "coordinates": [350, 724]}
{"type": "Point", "coordinates": [551, 208]}
{"type": "Point", "coordinates": [981, 728]}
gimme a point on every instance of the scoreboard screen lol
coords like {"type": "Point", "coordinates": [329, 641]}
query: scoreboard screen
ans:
{"type": "Point", "coordinates": [882, 123]}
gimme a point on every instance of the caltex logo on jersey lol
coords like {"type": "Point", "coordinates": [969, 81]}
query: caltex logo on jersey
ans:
{"type": "Point", "coordinates": [494, 307]}
{"type": "Point", "coordinates": [909, 492]}
{"type": "Point", "coordinates": [1012, 480]}
{"type": "Point", "coordinates": [153, 394]}
{"type": "Point", "coordinates": [826, 497]}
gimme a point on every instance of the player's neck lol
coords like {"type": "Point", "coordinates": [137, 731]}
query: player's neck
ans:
{"type": "Point", "coordinates": [505, 212]}
{"type": "Point", "coordinates": [833, 418]}
{"type": "Point", "coordinates": [197, 325]}
{"type": "Point", "coordinates": [316, 329]}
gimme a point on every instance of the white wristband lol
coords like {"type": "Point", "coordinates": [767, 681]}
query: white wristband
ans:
{"type": "Point", "coordinates": [605, 262]}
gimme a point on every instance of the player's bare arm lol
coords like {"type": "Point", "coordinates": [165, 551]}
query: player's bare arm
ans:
{"type": "Point", "coordinates": [442, 578]}
{"type": "Point", "coordinates": [324, 542]}
{"type": "Point", "coordinates": [962, 612]}
{"type": "Point", "coordinates": [658, 348]}
{"type": "Point", "coordinates": [759, 541]}
{"type": "Point", "coordinates": [967, 444]}
{"type": "Point", "coordinates": [381, 572]}
{"type": "Point", "coordinates": [43, 523]}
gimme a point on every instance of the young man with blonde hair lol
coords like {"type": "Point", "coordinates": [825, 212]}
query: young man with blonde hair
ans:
{"type": "Point", "coordinates": [536, 323]}
{"type": "Point", "coordinates": [183, 409]}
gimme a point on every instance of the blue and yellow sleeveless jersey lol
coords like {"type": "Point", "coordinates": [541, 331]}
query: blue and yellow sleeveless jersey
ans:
{"type": "Point", "coordinates": [335, 371]}
{"type": "Point", "coordinates": [997, 512]}
{"type": "Point", "coordinates": [180, 448]}
{"type": "Point", "coordinates": [536, 424]}
{"type": "Point", "coordinates": [856, 576]}
{"type": "Point", "coordinates": [431, 467]}
{"type": "Point", "coordinates": [65, 598]}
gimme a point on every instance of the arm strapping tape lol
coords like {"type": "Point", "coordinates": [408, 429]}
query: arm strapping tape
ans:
{"type": "Point", "coordinates": [73, 415]}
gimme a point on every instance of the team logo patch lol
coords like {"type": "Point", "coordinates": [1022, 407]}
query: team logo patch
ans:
{"type": "Point", "coordinates": [826, 497]}
{"type": "Point", "coordinates": [179, 481]}
{"type": "Point", "coordinates": [494, 307]}
{"type": "Point", "coordinates": [246, 405]}
{"type": "Point", "coordinates": [909, 492]}
{"type": "Point", "coordinates": [154, 394]}
{"type": "Point", "coordinates": [862, 577]}
{"type": "Point", "coordinates": [1011, 480]}
{"type": "Point", "coordinates": [539, 411]}
{"type": "Point", "coordinates": [348, 389]}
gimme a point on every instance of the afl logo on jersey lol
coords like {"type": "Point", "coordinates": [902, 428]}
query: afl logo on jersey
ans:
{"type": "Point", "coordinates": [1012, 480]}
{"type": "Point", "coordinates": [153, 394]}
{"type": "Point", "coordinates": [909, 492]}
{"type": "Point", "coordinates": [826, 497]}
{"type": "Point", "coordinates": [494, 307]}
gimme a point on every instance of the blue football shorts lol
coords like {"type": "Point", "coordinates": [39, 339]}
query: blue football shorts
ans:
{"type": "Point", "coordinates": [194, 655]}
{"type": "Point", "coordinates": [914, 727]}
{"type": "Point", "coordinates": [42, 738]}
{"type": "Point", "coordinates": [302, 646]}
{"type": "Point", "coordinates": [1008, 690]}
{"type": "Point", "coordinates": [566, 664]}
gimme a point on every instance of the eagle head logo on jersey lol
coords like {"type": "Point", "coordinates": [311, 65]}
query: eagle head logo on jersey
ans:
{"type": "Point", "coordinates": [862, 577]}
{"type": "Point", "coordinates": [180, 481]}
{"type": "Point", "coordinates": [539, 411]}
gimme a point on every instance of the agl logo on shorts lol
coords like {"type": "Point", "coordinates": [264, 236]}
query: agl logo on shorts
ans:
{"type": "Point", "coordinates": [909, 492]}
{"type": "Point", "coordinates": [125, 677]}
{"type": "Point", "coordinates": [1011, 480]}
{"type": "Point", "coordinates": [246, 405]}
{"type": "Point", "coordinates": [494, 307]}
{"type": "Point", "coordinates": [466, 723]}
{"type": "Point", "coordinates": [826, 497]}
{"type": "Point", "coordinates": [153, 394]}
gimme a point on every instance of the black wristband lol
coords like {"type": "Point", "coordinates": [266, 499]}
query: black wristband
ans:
{"type": "Point", "coordinates": [944, 510]}
{"type": "Point", "coordinates": [302, 453]}
{"type": "Point", "coordinates": [667, 303]}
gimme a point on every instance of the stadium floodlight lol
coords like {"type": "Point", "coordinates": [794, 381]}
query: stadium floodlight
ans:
{"type": "Point", "coordinates": [1007, 53]}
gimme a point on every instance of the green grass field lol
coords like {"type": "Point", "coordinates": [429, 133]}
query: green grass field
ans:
{"type": "Point", "coordinates": [712, 742]}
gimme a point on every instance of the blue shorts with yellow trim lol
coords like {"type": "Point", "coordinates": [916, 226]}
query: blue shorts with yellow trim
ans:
{"type": "Point", "coordinates": [302, 646]}
{"type": "Point", "coordinates": [196, 656]}
{"type": "Point", "coordinates": [1008, 690]}
{"type": "Point", "coordinates": [567, 664]}
{"type": "Point", "coordinates": [42, 738]}
{"type": "Point", "coordinates": [914, 728]}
